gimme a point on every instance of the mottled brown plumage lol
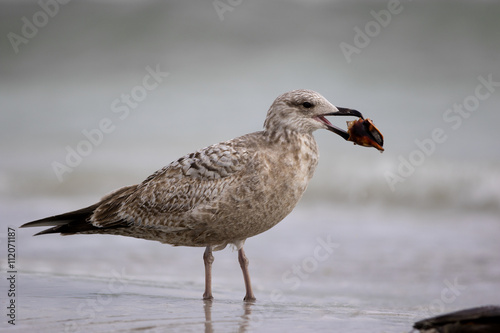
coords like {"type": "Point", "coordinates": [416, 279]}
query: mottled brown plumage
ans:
{"type": "Point", "coordinates": [219, 195]}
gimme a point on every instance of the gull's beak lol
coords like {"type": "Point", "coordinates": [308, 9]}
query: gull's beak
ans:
{"type": "Point", "coordinates": [340, 112]}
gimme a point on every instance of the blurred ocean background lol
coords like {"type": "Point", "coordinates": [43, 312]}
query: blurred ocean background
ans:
{"type": "Point", "coordinates": [398, 238]}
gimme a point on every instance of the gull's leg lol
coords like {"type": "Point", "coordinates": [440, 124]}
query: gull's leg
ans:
{"type": "Point", "coordinates": [208, 259]}
{"type": "Point", "coordinates": [249, 297]}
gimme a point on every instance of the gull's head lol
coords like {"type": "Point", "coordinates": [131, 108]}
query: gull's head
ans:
{"type": "Point", "coordinates": [304, 111]}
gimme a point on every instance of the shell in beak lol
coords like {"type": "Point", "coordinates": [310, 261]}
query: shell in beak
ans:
{"type": "Point", "coordinates": [364, 133]}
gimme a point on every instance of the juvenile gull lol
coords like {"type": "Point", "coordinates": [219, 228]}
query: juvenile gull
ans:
{"type": "Point", "coordinates": [219, 195]}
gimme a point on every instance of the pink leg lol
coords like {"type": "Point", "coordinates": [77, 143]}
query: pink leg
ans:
{"type": "Point", "coordinates": [208, 259]}
{"type": "Point", "coordinates": [249, 297]}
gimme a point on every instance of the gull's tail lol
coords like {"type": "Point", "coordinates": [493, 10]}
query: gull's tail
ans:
{"type": "Point", "coordinates": [67, 223]}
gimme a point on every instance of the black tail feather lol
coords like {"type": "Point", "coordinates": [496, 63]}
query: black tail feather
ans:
{"type": "Point", "coordinates": [66, 224]}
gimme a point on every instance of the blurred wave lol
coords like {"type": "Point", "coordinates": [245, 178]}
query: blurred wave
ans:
{"type": "Point", "coordinates": [438, 184]}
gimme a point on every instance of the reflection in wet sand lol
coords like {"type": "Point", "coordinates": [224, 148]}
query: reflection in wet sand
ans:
{"type": "Point", "coordinates": [244, 323]}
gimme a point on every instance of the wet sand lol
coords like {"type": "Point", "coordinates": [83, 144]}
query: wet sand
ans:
{"type": "Point", "coordinates": [69, 304]}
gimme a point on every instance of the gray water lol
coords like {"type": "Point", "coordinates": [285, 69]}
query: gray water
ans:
{"type": "Point", "coordinates": [424, 212]}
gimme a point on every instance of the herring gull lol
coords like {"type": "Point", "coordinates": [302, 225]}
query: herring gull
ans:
{"type": "Point", "coordinates": [219, 195]}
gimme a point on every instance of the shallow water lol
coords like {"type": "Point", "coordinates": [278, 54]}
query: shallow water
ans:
{"type": "Point", "coordinates": [321, 269]}
{"type": "Point", "coordinates": [146, 308]}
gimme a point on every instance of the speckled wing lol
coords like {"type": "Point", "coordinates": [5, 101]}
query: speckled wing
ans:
{"type": "Point", "coordinates": [172, 198]}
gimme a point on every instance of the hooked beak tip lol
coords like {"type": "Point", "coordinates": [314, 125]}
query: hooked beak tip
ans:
{"type": "Point", "coordinates": [347, 112]}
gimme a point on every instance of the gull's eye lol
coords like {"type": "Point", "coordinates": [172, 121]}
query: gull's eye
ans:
{"type": "Point", "coordinates": [307, 105]}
